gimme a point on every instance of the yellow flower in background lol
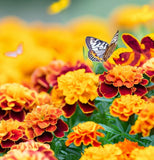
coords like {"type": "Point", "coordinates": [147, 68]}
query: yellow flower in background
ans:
{"type": "Point", "coordinates": [106, 152]}
{"type": "Point", "coordinates": [127, 17]}
{"type": "Point", "coordinates": [58, 6]}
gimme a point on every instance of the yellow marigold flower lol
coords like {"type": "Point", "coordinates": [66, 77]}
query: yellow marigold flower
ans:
{"type": "Point", "coordinates": [130, 16]}
{"type": "Point", "coordinates": [145, 122]}
{"type": "Point", "coordinates": [16, 100]}
{"type": "Point", "coordinates": [125, 106]}
{"type": "Point", "coordinates": [43, 121]}
{"type": "Point", "coordinates": [127, 147]}
{"type": "Point", "coordinates": [143, 154]}
{"type": "Point", "coordinates": [58, 6]}
{"type": "Point", "coordinates": [11, 132]}
{"type": "Point", "coordinates": [78, 85]}
{"type": "Point", "coordinates": [106, 152]}
{"type": "Point", "coordinates": [85, 133]}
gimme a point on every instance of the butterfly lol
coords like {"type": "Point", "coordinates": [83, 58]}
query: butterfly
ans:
{"type": "Point", "coordinates": [100, 50]}
{"type": "Point", "coordinates": [15, 53]}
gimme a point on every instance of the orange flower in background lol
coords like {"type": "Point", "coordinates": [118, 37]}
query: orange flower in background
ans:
{"type": "Point", "coordinates": [127, 147]}
{"type": "Point", "coordinates": [78, 87]}
{"type": "Point", "coordinates": [149, 68]}
{"type": "Point", "coordinates": [125, 106]}
{"type": "Point", "coordinates": [85, 133]}
{"type": "Point", "coordinates": [122, 79]}
{"type": "Point", "coordinates": [128, 17]}
{"type": "Point", "coordinates": [11, 133]}
{"type": "Point", "coordinates": [136, 53]}
{"type": "Point", "coordinates": [43, 122]}
{"type": "Point", "coordinates": [143, 154]}
{"type": "Point", "coordinates": [145, 122]}
{"type": "Point", "coordinates": [58, 6]}
{"type": "Point", "coordinates": [44, 98]}
{"type": "Point", "coordinates": [105, 152]}
{"type": "Point", "coordinates": [16, 100]}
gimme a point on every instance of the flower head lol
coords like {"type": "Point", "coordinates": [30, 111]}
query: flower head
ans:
{"type": "Point", "coordinates": [11, 133]}
{"type": "Point", "coordinates": [122, 79]}
{"type": "Point", "coordinates": [43, 122]}
{"type": "Point", "coordinates": [30, 150]}
{"type": "Point", "coordinates": [125, 106]}
{"type": "Point", "coordinates": [145, 122]}
{"type": "Point", "coordinates": [85, 133]}
{"type": "Point", "coordinates": [78, 87]}
{"type": "Point", "coordinates": [106, 152]}
{"type": "Point", "coordinates": [16, 100]}
{"type": "Point", "coordinates": [136, 53]}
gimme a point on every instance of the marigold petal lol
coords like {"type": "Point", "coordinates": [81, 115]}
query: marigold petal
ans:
{"type": "Point", "coordinates": [45, 137]}
{"type": "Point", "coordinates": [144, 82]}
{"type": "Point", "coordinates": [18, 115]}
{"type": "Point", "coordinates": [69, 110]}
{"type": "Point", "coordinates": [86, 108]}
{"type": "Point", "coordinates": [124, 90]}
{"type": "Point", "coordinates": [108, 91]}
{"type": "Point", "coordinates": [140, 90]}
{"type": "Point", "coordinates": [148, 43]}
{"type": "Point", "coordinates": [78, 141]}
{"type": "Point", "coordinates": [7, 144]}
{"type": "Point", "coordinates": [95, 143]}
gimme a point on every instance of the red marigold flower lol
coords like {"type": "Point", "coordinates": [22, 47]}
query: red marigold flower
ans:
{"type": "Point", "coordinates": [31, 145]}
{"type": "Point", "coordinates": [145, 122]}
{"type": "Point", "coordinates": [15, 101]}
{"type": "Point", "coordinates": [136, 54]}
{"type": "Point", "coordinates": [127, 147]}
{"type": "Point", "coordinates": [125, 106]}
{"type": "Point", "coordinates": [149, 68]}
{"type": "Point", "coordinates": [76, 87]}
{"type": "Point", "coordinates": [11, 132]}
{"type": "Point", "coordinates": [85, 133]}
{"type": "Point", "coordinates": [122, 79]}
{"type": "Point", "coordinates": [43, 121]}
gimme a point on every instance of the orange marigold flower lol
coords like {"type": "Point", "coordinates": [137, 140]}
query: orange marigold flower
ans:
{"type": "Point", "coordinates": [143, 154]}
{"type": "Point", "coordinates": [31, 145]}
{"type": "Point", "coordinates": [43, 121]}
{"type": "Point", "coordinates": [11, 132]}
{"type": "Point", "coordinates": [85, 132]}
{"type": "Point", "coordinates": [145, 122]}
{"type": "Point", "coordinates": [149, 68]}
{"type": "Point", "coordinates": [78, 87]}
{"type": "Point", "coordinates": [122, 79]}
{"type": "Point", "coordinates": [136, 54]}
{"type": "Point", "coordinates": [106, 152]}
{"type": "Point", "coordinates": [127, 147]}
{"type": "Point", "coordinates": [125, 106]}
{"type": "Point", "coordinates": [15, 101]}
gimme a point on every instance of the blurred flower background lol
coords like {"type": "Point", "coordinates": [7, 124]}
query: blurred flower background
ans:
{"type": "Point", "coordinates": [50, 92]}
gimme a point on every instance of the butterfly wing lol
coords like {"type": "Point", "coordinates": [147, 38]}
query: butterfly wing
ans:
{"type": "Point", "coordinates": [111, 47]}
{"type": "Point", "coordinates": [96, 48]}
{"type": "Point", "coordinates": [15, 53]}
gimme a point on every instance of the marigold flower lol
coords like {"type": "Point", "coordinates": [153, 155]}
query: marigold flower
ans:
{"type": "Point", "coordinates": [149, 68]}
{"type": "Point", "coordinates": [11, 132]}
{"type": "Point", "coordinates": [143, 154]}
{"type": "Point", "coordinates": [78, 87]}
{"type": "Point", "coordinates": [31, 145]}
{"type": "Point", "coordinates": [127, 17]}
{"type": "Point", "coordinates": [106, 152]}
{"type": "Point", "coordinates": [145, 122]}
{"type": "Point", "coordinates": [136, 54]}
{"type": "Point", "coordinates": [127, 147]}
{"type": "Point", "coordinates": [125, 106]}
{"type": "Point", "coordinates": [44, 98]}
{"type": "Point", "coordinates": [15, 101]}
{"type": "Point", "coordinates": [85, 133]}
{"type": "Point", "coordinates": [43, 121]}
{"type": "Point", "coordinates": [57, 7]}
{"type": "Point", "coordinates": [122, 79]}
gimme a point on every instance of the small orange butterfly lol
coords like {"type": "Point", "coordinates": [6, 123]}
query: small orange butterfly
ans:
{"type": "Point", "coordinates": [100, 50]}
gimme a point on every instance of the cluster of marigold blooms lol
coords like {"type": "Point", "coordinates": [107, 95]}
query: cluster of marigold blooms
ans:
{"type": "Point", "coordinates": [30, 110]}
